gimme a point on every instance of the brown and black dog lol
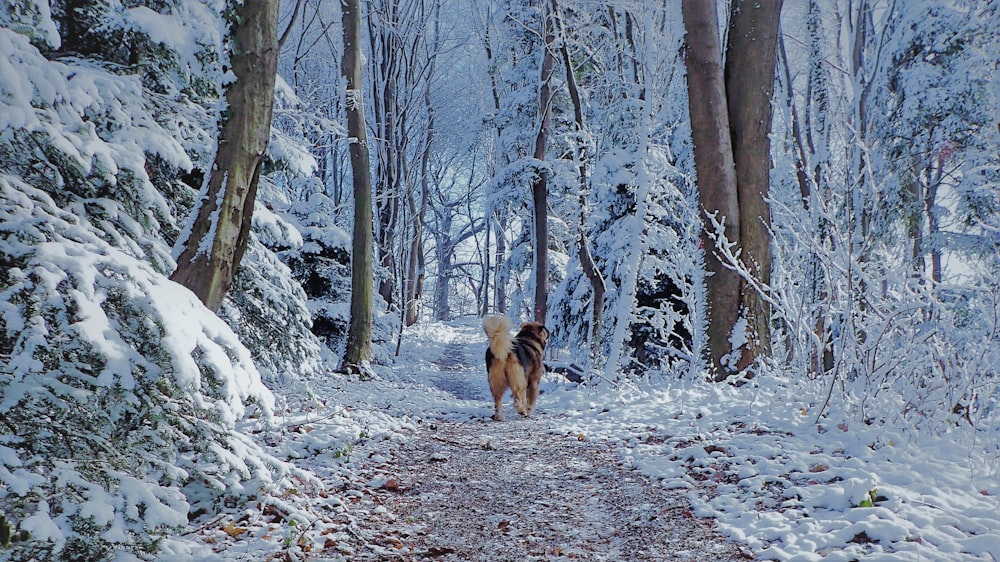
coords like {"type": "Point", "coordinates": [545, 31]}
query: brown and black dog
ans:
{"type": "Point", "coordinates": [514, 362]}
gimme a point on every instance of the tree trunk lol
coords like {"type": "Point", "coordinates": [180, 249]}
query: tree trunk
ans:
{"type": "Point", "coordinates": [220, 228]}
{"type": "Point", "coordinates": [539, 186]}
{"type": "Point", "coordinates": [415, 265]}
{"type": "Point", "coordinates": [501, 276]}
{"type": "Point", "coordinates": [359, 334]}
{"type": "Point", "coordinates": [808, 169]}
{"type": "Point", "coordinates": [385, 46]}
{"type": "Point", "coordinates": [716, 171]}
{"type": "Point", "coordinates": [415, 259]}
{"type": "Point", "coordinates": [749, 75]}
{"type": "Point", "coordinates": [590, 269]}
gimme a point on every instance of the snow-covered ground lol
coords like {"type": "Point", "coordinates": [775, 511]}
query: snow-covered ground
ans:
{"type": "Point", "coordinates": [752, 457]}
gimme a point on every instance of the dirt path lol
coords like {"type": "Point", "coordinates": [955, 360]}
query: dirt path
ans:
{"type": "Point", "coordinates": [518, 490]}
{"type": "Point", "coordinates": [489, 491]}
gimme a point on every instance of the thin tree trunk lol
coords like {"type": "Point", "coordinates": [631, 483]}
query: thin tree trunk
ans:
{"type": "Point", "coordinates": [385, 48]}
{"type": "Point", "coordinates": [415, 269]}
{"type": "Point", "coordinates": [716, 171]}
{"type": "Point", "coordinates": [749, 75]}
{"type": "Point", "coordinates": [934, 222]}
{"type": "Point", "coordinates": [220, 228]}
{"type": "Point", "coordinates": [359, 335]}
{"type": "Point", "coordinates": [808, 170]}
{"type": "Point", "coordinates": [501, 276]}
{"type": "Point", "coordinates": [539, 186]}
{"type": "Point", "coordinates": [590, 269]}
{"type": "Point", "coordinates": [291, 24]}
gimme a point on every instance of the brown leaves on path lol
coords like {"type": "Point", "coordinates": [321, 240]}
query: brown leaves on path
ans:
{"type": "Point", "coordinates": [489, 491]}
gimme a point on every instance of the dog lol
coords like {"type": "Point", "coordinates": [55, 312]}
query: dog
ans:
{"type": "Point", "coordinates": [514, 362]}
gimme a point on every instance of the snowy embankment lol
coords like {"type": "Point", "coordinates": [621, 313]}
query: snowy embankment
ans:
{"type": "Point", "coordinates": [751, 457]}
{"type": "Point", "coordinates": [792, 489]}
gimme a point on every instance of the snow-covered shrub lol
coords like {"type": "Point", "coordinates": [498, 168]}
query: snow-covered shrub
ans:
{"type": "Point", "coordinates": [644, 243]}
{"type": "Point", "coordinates": [267, 309]}
{"type": "Point", "coordinates": [889, 348]}
{"type": "Point", "coordinates": [320, 262]}
{"type": "Point", "coordinates": [32, 19]}
{"type": "Point", "coordinates": [121, 392]}
{"type": "Point", "coordinates": [124, 402]}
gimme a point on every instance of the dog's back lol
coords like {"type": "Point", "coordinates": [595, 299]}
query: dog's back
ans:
{"type": "Point", "coordinates": [497, 329]}
{"type": "Point", "coordinates": [502, 365]}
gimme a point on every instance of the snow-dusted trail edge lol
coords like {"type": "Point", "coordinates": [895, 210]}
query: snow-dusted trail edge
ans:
{"type": "Point", "coordinates": [410, 467]}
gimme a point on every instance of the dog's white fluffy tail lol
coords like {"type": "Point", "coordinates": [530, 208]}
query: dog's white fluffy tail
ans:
{"type": "Point", "coordinates": [497, 329]}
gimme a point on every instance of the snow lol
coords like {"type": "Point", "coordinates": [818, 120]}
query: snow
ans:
{"type": "Point", "coordinates": [749, 457]}
{"type": "Point", "coordinates": [794, 490]}
{"type": "Point", "coordinates": [42, 527]}
{"type": "Point", "coordinates": [93, 331]}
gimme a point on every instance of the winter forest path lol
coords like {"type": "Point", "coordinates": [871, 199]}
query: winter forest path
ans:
{"type": "Point", "coordinates": [519, 490]}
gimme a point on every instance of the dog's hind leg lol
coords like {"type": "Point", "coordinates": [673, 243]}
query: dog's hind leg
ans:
{"type": "Point", "coordinates": [497, 387]}
{"type": "Point", "coordinates": [532, 393]}
{"type": "Point", "coordinates": [518, 384]}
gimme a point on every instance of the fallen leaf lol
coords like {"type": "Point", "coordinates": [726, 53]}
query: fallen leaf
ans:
{"type": "Point", "coordinates": [233, 531]}
{"type": "Point", "coordinates": [715, 449]}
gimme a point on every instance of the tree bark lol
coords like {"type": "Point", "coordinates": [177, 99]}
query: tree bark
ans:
{"type": "Point", "coordinates": [501, 275]}
{"type": "Point", "coordinates": [358, 351]}
{"type": "Point", "coordinates": [590, 269]}
{"type": "Point", "coordinates": [539, 186]}
{"type": "Point", "coordinates": [749, 76]}
{"type": "Point", "coordinates": [716, 171]}
{"type": "Point", "coordinates": [385, 42]}
{"type": "Point", "coordinates": [415, 262]}
{"type": "Point", "coordinates": [212, 251]}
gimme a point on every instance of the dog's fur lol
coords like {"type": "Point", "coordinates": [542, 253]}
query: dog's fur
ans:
{"type": "Point", "coordinates": [514, 362]}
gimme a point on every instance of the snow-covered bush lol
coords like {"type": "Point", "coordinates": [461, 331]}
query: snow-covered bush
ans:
{"type": "Point", "coordinates": [902, 352]}
{"type": "Point", "coordinates": [267, 309]}
{"type": "Point", "coordinates": [121, 392]}
{"type": "Point", "coordinates": [320, 263]}
{"type": "Point", "coordinates": [125, 403]}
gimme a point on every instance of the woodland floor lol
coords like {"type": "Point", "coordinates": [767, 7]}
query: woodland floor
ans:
{"type": "Point", "coordinates": [499, 491]}
{"type": "Point", "coordinates": [516, 490]}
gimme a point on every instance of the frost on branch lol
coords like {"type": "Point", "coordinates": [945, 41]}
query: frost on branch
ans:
{"type": "Point", "coordinates": [355, 100]}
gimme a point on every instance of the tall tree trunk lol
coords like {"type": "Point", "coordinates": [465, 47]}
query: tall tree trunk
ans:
{"type": "Point", "coordinates": [388, 185]}
{"type": "Point", "coordinates": [220, 228]}
{"type": "Point", "coordinates": [933, 220]}
{"type": "Point", "coordinates": [359, 334]}
{"type": "Point", "coordinates": [415, 262]}
{"type": "Point", "coordinates": [501, 276]}
{"type": "Point", "coordinates": [415, 258]}
{"type": "Point", "coordinates": [445, 267]}
{"type": "Point", "coordinates": [716, 171]}
{"type": "Point", "coordinates": [484, 297]}
{"type": "Point", "coordinates": [749, 75]}
{"type": "Point", "coordinates": [539, 186]}
{"type": "Point", "coordinates": [590, 269]}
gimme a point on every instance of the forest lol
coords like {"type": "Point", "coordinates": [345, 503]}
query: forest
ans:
{"type": "Point", "coordinates": [213, 211]}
